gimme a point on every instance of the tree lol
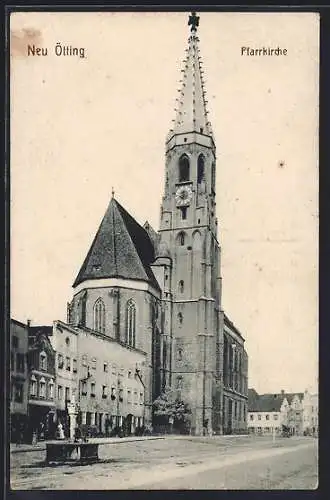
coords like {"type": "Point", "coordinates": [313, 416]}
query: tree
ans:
{"type": "Point", "coordinates": [168, 405]}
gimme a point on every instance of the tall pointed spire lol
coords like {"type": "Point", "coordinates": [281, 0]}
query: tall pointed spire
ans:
{"type": "Point", "coordinates": [191, 112]}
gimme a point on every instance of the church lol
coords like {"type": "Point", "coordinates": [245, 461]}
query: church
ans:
{"type": "Point", "coordinates": [155, 295]}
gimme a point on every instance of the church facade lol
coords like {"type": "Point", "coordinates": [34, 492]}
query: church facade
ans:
{"type": "Point", "coordinates": [157, 293]}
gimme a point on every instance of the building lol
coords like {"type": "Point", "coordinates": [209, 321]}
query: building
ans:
{"type": "Point", "coordinates": [269, 412]}
{"type": "Point", "coordinates": [18, 379]}
{"type": "Point", "coordinates": [101, 375]}
{"type": "Point", "coordinates": [310, 413]}
{"type": "Point", "coordinates": [235, 370]}
{"type": "Point", "coordinates": [42, 377]}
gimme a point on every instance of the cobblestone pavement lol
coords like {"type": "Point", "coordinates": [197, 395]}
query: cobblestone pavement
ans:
{"type": "Point", "coordinates": [154, 464]}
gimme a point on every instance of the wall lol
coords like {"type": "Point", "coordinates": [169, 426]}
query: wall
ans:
{"type": "Point", "coordinates": [18, 371]}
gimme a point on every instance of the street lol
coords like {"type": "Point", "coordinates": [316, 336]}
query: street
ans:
{"type": "Point", "coordinates": [224, 462]}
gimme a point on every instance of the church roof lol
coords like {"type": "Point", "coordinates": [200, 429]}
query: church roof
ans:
{"type": "Point", "coordinates": [191, 112]}
{"type": "Point", "coordinates": [121, 249]}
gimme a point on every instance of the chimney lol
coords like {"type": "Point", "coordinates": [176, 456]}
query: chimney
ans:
{"type": "Point", "coordinates": [28, 322]}
{"type": "Point", "coordinates": [282, 392]}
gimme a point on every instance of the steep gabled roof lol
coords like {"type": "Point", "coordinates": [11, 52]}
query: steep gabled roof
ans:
{"type": "Point", "coordinates": [121, 249]}
{"type": "Point", "coordinates": [269, 402]}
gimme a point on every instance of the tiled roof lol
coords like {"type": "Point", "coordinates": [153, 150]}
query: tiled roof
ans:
{"type": "Point", "coordinates": [269, 402]}
{"type": "Point", "coordinates": [121, 249]}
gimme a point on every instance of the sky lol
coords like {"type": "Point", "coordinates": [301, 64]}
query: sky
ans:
{"type": "Point", "coordinates": [82, 126]}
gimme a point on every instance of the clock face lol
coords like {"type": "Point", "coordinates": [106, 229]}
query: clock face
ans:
{"type": "Point", "coordinates": [183, 196]}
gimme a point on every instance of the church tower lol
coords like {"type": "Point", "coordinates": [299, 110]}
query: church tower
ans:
{"type": "Point", "coordinates": [189, 242]}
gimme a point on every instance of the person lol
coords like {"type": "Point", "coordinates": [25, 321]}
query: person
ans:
{"type": "Point", "coordinates": [60, 432]}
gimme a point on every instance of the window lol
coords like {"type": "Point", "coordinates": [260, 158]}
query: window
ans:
{"type": "Point", "coordinates": [275, 417]}
{"type": "Point", "coordinates": [130, 323]}
{"type": "Point", "coordinates": [105, 367]}
{"type": "Point", "coordinates": [42, 388]}
{"type": "Point", "coordinates": [179, 355]}
{"type": "Point", "coordinates": [135, 398]}
{"type": "Point", "coordinates": [141, 398]}
{"type": "Point", "coordinates": [267, 417]}
{"type": "Point", "coordinates": [20, 362]}
{"type": "Point", "coordinates": [184, 168]}
{"type": "Point", "coordinates": [74, 366]}
{"type": "Point", "coordinates": [104, 391]}
{"type": "Point", "coordinates": [180, 318]}
{"type": "Point", "coordinates": [121, 394]}
{"type": "Point", "coordinates": [67, 341]}
{"type": "Point", "coordinates": [60, 393]}
{"type": "Point", "coordinates": [200, 168]}
{"type": "Point", "coordinates": [14, 342]}
{"type": "Point", "coordinates": [184, 213]}
{"type": "Point", "coordinates": [181, 238]}
{"type": "Point", "coordinates": [181, 286]}
{"type": "Point", "coordinates": [51, 389]}
{"type": "Point", "coordinates": [259, 417]}
{"type": "Point", "coordinates": [251, 417]}
{"type": "Point", "coordinates": [99, 316]}
{"type": "Point", "coordinates": [84, 388]}
{"type": "Point", "coordinates": [93, 389]}
{"type": "Point", "coordinates": [84, 360]}
{"type": "Point", "coordinates": [18, 393]}
{"type": "Point", "coordinates": [94, 363]}
{"type": "Point", "coordinates": [67, 394]}
{"type": "Point", "coordinates": [129, 374]}
{"type": "Point", "coordinates": [68, 363]}
{"type": "Point", "coordinates": [60, 362]}
{"type": "Point", "coordinates": [33, 386]}
{"type": "Point", "coordinates": [129, 396]}
{"type": "Point", "coordinates": [179, 382]}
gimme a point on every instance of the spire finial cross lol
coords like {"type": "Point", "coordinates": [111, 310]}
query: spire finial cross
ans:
{"type": "Point", "coordinates": [193, 21]}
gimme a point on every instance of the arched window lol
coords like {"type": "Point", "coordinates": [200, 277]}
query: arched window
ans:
{"type": "Point", "coordinates": [181, 239]}
{"type": "Point", "coordinates": [43, 361]}
{"type": "Point", "coordinates": [200, 168]}
{"type": "Point", "coordinates": [99, 316]}
{"type": "Point", "coordinates": [184, 168]}
{"type": "Point", "coordinates": [180, 318]}
{"type": "Point", "coordinates": [130, 323]}
{"type": "Point", "coordinates": [181, 286]}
